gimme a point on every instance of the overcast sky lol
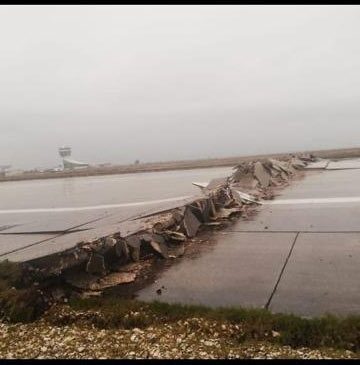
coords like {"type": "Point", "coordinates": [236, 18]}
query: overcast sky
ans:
{"type": "Point", "coordinates": [155, 83]}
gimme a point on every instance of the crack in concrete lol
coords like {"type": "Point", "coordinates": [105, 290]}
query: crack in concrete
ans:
{"type": "Point", "coordinates": [70, 230]}
{"type": "Point", "coordinates": [4, 228]}
{"type": "Point", "coordinates": [48, 239]}
{"type": "Point", "coordinates": [281, 272]}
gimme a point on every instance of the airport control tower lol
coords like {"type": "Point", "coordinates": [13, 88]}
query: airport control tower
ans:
{"type": "Point", "coordinates": [65, 153]}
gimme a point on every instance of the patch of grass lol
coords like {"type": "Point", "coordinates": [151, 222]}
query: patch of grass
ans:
{"type": "Point", "coordinates": [258, 324]}
{"type": "Point", "coordinates": [115, 313]}
{"type": "Point", "coordinates": [18, 303]}
{"type": "Point", "coordinates": [10, 274]}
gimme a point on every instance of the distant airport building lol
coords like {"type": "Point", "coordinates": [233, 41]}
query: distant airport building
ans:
{"type": "Point", "coordinates": [65, 153]}
{"type": "Point", "coordinates": [4, 169]}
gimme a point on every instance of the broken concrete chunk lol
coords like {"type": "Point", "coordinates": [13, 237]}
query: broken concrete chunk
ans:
{"type": "Point", "coordinates": [201, 210]}
{"type": "Point", "coordinates": [175, 236]}
{"type": "Point", "coordinates": [176, 250]}
{"type": "Point", "coordinates": [212, 211]}
{"type": "Point", "coordinates": [109, 242]}
{"type": "Point", "coordinates": [274, 172]}
{"type": "Point", "coordinates": [178, 215]}
{"type": "Point", "coordinates": [160, 249]}
{"type": "Point", "coordinates": [80, 280]}
{"type": "Point", "coordinates": [279, 165]}
{"type": "Point", "coordinates": [133, 241]}
{"type": "Point", "coordinates": [246, 181]}
{"type": "Point", "coordinates": [205, 210]}
{"type": "Point", "coordinates": [121, 249]}
{"type": "Point", "coordinates": [134, 253]}
{"type": "Point", "coordinates": [216, 183]}
{"type": "Point", "coordinates": [112, 280]}
{"type": "Point", "coordinates": [261, 174]}
{"type": "Point", "coordinates": [297, 163]}
{"type": "Point", "coordinates": [96, 264]}
{"type": "Point", "coordinates": [164, 221]}
{"type": "Point", "coordinates": [190, 223]}
{"type": "Point", "coordinates": [283, 175]}
{"type": "Point", "coordinates": [158, 244]}
{"type": "Point", "coordinates": [244, 198]}
{"type": "Point", "coordinates": [226, 213]}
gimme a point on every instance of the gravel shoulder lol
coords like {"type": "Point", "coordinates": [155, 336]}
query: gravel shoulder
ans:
{"type": "Point", "coordinates": [64, 333]}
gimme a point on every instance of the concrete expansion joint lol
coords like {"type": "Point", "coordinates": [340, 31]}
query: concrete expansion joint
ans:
{"type": "Point", "coordinates": [267, 305]}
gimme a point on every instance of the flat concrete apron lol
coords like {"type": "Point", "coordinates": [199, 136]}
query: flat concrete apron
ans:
{"type": "Point", "coordinates": [300, 254]}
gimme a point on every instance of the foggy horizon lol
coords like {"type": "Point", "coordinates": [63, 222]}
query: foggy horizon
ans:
{"type": "Point", "coordinates": [160, 83]}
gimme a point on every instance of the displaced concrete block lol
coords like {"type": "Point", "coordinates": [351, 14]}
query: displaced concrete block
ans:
{"type": "Point", "coordinates": [134, 243]}
{"type": "Point", "coordinates": [121, 249]}
{"type": "Point", "coordinates": [134, 253]}
{"type": "Point", "coordinates": [297, 163]}
{"type": "Point", "coordinates": [176, 250]}
{"type": "Point", "coordinates": [178, 215]}
{"type": "Point", "coordinates": [175, 236]}
{"type": "Point", "coordinates": [283, 175]}
{"type": "Point", "coordinates": [201, 210]}
{"type": "Point", "coordinates": [217, 183]}
{"type": "Point", "coordinates": [261, 174]}
{"type": "Point", "coordinates": [227, 213]}
{"type": "Point", "coordinates": [158, 244]}
{"type": "Point", "coordinates": [246, 181]}
{"type": "Point", "coordinates": [109, 242]}
{"type": "Point", "coordinates": [164, 222]}
{"type": "Point", "coordinates": [279, 165]}
{"type": "Point", "coordinates": [212, 212]}
{"type": "Point", "coordinates": [96, 264]}
{"type": "Point", "coordinates": [160, 249]}
{"type": "Point", "coordinates": [190, 223]}
{"type": "Point", "coordinates": [290, 168]}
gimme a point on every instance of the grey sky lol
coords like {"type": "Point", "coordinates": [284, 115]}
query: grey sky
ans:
{"type": "Point", "coordinates": [119, 83]}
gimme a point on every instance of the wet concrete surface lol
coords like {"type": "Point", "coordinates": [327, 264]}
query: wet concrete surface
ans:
{"type": "Point", "coordinates": [140, 193]}
{"type": "Point", "coordinates": [101, 190]}
{"type": "Point", "coordinates": [259, 262]}
{"type": "Point", "coordinates": [322, 275]}
{"type": "Point", "coordinates": [226, 272]}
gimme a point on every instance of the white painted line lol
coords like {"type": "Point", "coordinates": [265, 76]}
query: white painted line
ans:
{"type": "Point", "coordinates": [106, 206]}
{"type": "Point", "coordinates": [350, 199]}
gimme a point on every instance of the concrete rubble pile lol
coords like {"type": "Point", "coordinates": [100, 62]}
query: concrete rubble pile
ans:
{"type": "Point", "coordinates": [257, 177]}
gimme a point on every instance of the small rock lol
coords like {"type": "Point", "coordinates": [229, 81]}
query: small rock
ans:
{"type": "Point", "coordinates": [275, 334]}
